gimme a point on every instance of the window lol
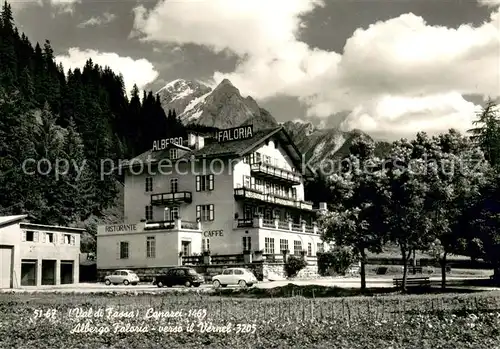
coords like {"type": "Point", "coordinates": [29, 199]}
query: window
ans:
{"type": "Point", "coordinates": [186, 248]}
{"type": "Point", "coordinates": [297, 247]}
{"type": "Point", "coordinates": [257, 158]}
{"type": "Point", "coordinates": [309, 249]}
{"type": "Point", "coordinates": [149, 184]}
{"type": "Point", "coordinates": [248, 212]}
{"type": "Point", "coordinates": [247, 243]}
{"type": "Point", "coordinates": [294, 193]}
{"type": "Point", "coordinates": [149, 213]}
{"type": "Point", "coordinates": [268, 214]}
{"type": "Point", "coordinates": [173, 154]}
{"type": "Point", "coordinates": [319, 248]}
{"type": "Point", "coordinates": [227, 272]}
{"type": "Point", "coordinates": [49, 238]}
{"type": "Point", "coordinates": [205, 183]}
{"type": "Point", "coordinates": [238, 272]}
{"type": "Point", "coordinates": [174, 213]}
{"type": "Point", "coordinates": [206, 244]}
{"type": "Point", "coordinates": [124, 250]}
{"type": "Point", "coordinates": [150, 247]}
{"type": "Point", "coordinates": [68, 239]}
{"type": "Point", "coordinates": [269, 246]}
{"type": "Point", "coordinates": [246, 181]}
{"type": "Point", "coordinates": [205, 212]}
{"type": "Point", "coordinates": [174, 185]}
{"type": "Point", "coordinates": [283, 245]}
{"type": "Point", "coordinates": [30, 235]}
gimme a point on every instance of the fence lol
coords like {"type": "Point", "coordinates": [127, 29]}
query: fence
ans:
{"type": "Point", "coordinates": [428, 262]}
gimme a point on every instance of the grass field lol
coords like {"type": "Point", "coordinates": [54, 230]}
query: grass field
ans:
{"type": "Point", "coordinates": [395, 321]}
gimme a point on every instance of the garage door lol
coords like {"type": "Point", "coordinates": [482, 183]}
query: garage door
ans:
{"type": "Point", "coordinates": [5, 267]}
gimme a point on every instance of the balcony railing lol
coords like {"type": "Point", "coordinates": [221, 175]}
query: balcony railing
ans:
{"type": "Point", "coordinates": [171, 198]}
{"type": "Point", "coordinates": [276, 224]}
{"type": "Point", "coordinates": [176, 224]}
{"type": "Point", "coordinates": [268, 170]}
{"type": "Point", "coordinates": [252, 193]}
{"type": "Point", "coordinates": [227, 259]}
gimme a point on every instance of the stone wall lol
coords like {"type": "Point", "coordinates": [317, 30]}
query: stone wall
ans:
{"type": "Point", "coordinates": [309, 272]}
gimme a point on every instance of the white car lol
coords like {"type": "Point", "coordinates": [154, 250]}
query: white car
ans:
{"type": "Point", "coordinates": [122, 277]}
{"type": "Point", "coordinates": [234, 276]}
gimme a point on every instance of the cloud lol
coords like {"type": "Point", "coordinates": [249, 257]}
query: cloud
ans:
{"type": "Point", "coordinates": [399, 75]}
{"type": "Point", "coordinates": [62, 6]}
{"type": "Point", "coordinates": [489, 3]}
{"type": "Point", "coordinates": [97, 21]}
{"type": "Point", "coordinates": [134, 71]}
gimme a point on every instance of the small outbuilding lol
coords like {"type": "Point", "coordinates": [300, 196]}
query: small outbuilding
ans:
{"type": "Point", "coordinates": [35, 254]}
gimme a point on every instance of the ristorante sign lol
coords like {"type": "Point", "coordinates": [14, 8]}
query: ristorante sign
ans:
{"type": "Point", "coordinates": [234, 134]}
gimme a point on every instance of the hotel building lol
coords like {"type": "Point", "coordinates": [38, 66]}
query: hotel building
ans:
{"type": "Point", "coordinates": [242, 190]}
{"type": "Point", "coordinates": [36, 255]}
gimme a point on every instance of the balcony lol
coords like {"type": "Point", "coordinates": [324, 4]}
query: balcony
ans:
{"type": "Point", "coordinates": [171, 198]}
{"type": "Point", "coordinates": [253, 194]}
{"type": "Point", "coordinates": [275, 173]}
{"type": "Point", "coordinates": [275, 224]}
{"type": "Point", "coordinates": [177, 224]}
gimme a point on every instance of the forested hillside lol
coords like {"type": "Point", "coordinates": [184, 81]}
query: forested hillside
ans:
{"type": "Point", "coordinates": [78, 116]}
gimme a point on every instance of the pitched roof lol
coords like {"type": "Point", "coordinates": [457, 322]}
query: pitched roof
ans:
{"type": "Point", "coordinates": [212, 148]}
{"type": "Point", "coordinates": [51, 227]}
{"type": "Point", "coordinates": [8, 220]}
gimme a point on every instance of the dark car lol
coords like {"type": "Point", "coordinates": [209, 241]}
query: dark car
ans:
{"type": "Point", "coordinates": [179, 276]}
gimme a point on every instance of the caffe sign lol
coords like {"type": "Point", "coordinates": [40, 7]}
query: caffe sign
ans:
{"type": "Point", "coordinates": [213, 233]}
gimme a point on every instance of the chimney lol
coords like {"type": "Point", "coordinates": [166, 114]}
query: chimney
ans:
{"type": "Point", "coordinates": [191, 140]}
{"type": "Point", "coordinates": [322, 206]}
{"type": "Point", "coordinates": [200, 142]}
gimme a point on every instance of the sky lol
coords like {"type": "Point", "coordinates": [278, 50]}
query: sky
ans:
{"type": "Point", "coordinates": [388, 67]}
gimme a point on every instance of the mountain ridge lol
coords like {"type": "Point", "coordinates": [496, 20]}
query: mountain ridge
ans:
{"type": "Point", "coordinates": [224, 107]}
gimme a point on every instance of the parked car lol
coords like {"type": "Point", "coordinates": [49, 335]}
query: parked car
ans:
{"type": "Point", "coordinates": [122, 277]}
{"type": "Point", "coordinates": [179, 276]}
{"type": "Point", "coordinates": [234, 276]}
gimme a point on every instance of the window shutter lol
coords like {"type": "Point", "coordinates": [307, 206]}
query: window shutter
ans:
{"type": "Point", "coordinates": [35, 236]}
{"type": "Point", "coordinates": [146, 185]}
{"type": "Point", "coordinates": [55, 238]}
{"type": "Point", "coordinates": [198, 211]}
{"type": "Point", "coordinates": [211, 212]}
{"type": "Point", "coordinates": [24, 235]}
{"type": "Point", "coordinates": [62, 239]}
{"type": "Point", "coordinates": [44, 237]}
{"type": "Point", "coordinates": [211, 182]}
{"type": "Point", "coordinates": [73, 240]}
{"type": "Point", "coordinates": [198, 184]}
{"type": "Point", "coordinates": [117, 250]}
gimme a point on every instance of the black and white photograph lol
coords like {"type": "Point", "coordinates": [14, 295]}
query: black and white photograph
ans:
{"type": "Point", "coordinates": [250, 174]}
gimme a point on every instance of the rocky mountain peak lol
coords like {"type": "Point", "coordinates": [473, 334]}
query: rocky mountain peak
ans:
{"type": "Point", "coordinates": [222, 107]}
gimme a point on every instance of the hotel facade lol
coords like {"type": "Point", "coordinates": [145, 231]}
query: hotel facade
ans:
{"type": "Point", "coordinates": [239, 191]}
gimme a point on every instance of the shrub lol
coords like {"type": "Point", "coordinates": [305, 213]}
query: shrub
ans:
{"type": "Point", "coordinates": [294, 265]}
{"type": "Point", "coordinates": [338, 260]}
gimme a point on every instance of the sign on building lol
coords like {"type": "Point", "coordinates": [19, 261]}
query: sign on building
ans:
{"type": "Point", "coordinates": [213, 233]}
{"type": "Point", "coordinates": [120, 228]}
{"type": "Point", "coordinates": [163, 143]}
{"type": "Point", "coordinates": [234, 134]}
